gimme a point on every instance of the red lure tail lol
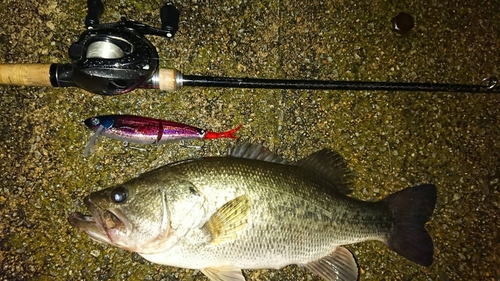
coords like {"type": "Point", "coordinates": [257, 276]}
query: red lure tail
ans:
{"type": "Point", "coordinates": [227, 134]}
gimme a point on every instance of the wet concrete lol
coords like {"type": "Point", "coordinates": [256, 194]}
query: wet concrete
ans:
{"type": "Point", "coordinates": [391, 139]}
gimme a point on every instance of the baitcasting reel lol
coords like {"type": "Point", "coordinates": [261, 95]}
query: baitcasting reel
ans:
{"type": "Point", "coordinates": [114, 58]}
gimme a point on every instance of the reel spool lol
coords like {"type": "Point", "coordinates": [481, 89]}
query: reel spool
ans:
{"type": "Point", "coordinates": [113, 60]}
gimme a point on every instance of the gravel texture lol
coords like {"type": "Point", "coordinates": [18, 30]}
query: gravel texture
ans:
{"type": "Point", "coordinates": [391, 139]}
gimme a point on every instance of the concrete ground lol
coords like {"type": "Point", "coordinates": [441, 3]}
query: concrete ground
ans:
{"type": "Point", "coordinates": [391, 140]}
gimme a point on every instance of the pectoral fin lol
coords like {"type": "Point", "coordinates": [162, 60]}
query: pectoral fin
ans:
{"type": "Point", "coordinates": [223, 273]}
{"type": "Point", "coordinates": [339, 265]}
{"type": "Point", "coordinates": [230, 219]}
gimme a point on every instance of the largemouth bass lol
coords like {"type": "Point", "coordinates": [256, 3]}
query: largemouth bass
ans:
{"type": "Point", "coordinates": [253, 210]}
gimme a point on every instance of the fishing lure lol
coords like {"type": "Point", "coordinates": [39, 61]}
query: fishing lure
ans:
{"type": "Point", "coordinates": [144, 130]}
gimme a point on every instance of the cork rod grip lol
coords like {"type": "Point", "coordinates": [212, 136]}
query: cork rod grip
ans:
{"type": "Point", "coordinates": [168, 79]}
{"type": "Point", "coordinates": [25, 74]}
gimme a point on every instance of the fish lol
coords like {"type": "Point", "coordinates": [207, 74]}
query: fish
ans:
{"type": "Point", "coordinates": [253, 210]}
{"type": "Point", "coordinates": [145, 130]}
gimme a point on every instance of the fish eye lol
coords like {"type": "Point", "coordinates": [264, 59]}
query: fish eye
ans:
{"type": "Point", "coordinates": [95, 121]}
{"type": "Point", "coordinates": [119, 195]}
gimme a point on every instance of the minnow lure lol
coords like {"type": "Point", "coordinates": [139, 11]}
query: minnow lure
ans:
{"type": "Point", "coordinates": [144, 130]}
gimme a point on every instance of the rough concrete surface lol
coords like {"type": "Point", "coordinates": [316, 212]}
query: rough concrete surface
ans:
{"type": "Point", "coordinates": [391, 140]}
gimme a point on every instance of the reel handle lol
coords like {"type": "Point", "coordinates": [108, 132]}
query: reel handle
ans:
{"type": "Point", "coordinates": [95, 8]}
{"type": "Point", "coordinates": [169, 19]}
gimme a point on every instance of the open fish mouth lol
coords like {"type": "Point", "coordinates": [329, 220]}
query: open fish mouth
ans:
{"type": "Point", "coordinates": [103, 225]}
{"type": "Point", "coordinates": [89, 225]}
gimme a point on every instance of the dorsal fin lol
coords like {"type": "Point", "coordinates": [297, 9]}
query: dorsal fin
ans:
{"type": "Point", "coordinates": [331, 167]}
{"type": "Point", "coordinates": [326, 163]}
{"type": "Point", "coordinates": [255, 151]}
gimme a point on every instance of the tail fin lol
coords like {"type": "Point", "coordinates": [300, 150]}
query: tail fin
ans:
{"type": "Point", "coordinates": [411, 209]}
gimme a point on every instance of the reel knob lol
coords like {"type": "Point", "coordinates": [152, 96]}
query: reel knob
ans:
{"type": "Point", "coordinates": [169, 19]}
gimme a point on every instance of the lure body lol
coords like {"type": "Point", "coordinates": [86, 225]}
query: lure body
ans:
{"type": "Point", "coordinates": [144, 130]}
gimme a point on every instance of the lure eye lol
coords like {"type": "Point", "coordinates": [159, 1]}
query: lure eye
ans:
{"type": "Point", "coordinates": [119, 195]}
{"type": "Point", "coordinates": [95, 121]}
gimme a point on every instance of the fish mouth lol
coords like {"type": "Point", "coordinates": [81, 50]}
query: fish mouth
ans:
{"type": "Point", "coordinates": [105, 226]}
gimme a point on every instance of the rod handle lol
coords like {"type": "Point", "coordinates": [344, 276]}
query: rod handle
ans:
{"type": "Point", "coordinates": [169, 79]}
{"type": "Point", "coordinates": [25, 74]}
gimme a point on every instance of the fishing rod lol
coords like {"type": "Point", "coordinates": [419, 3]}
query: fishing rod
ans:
{"type": "Point", "coordinates": [116, 58]}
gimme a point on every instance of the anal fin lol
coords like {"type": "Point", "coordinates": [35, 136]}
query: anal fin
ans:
{"type": "Point", "coordinates": [228, 221]}
{"type": "Point", "coordinates": [339, 265]}
{"type": "Point", "coordinates": [223, 273]}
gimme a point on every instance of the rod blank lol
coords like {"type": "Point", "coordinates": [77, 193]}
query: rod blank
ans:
{"type": "Point", "coordinates": [231, 82]}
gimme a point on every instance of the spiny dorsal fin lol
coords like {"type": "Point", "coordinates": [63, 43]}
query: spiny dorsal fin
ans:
{"type": "Point", "coordinates": [229, 219]}
{"type": "Point", "coordinates": [255, 151]}
{"type": "Point", "coordinates": [331, 167]}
